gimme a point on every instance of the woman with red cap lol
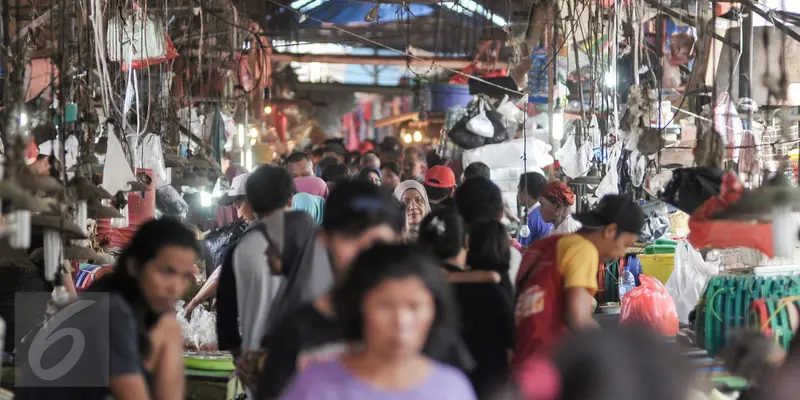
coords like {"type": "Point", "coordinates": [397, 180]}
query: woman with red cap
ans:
{"type": "Point", "coordinates": [556, 200]}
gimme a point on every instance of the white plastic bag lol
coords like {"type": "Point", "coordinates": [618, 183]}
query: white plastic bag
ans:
{"type": "Point", "coordinates": [152, 157]}
{"type": "Point", "coordinates": [200, 331]}
{"type": "Point", "coordinates": [573, 160]}
{"type": "Point", "coordinates": [610, 182]}
{"type": "Point", "coordinates": [510, 110]}
{"type": "Point", "coordinates": [138, 37]}
{"type": "Point", "coordinates": [688, 279]}
{"type": "Point", "coordinates": [481, 125]}
{"type": "Point", "coordinates": [728, 124]}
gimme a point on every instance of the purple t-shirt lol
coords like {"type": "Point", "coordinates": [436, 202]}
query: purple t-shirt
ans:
{"type": "Point", "coordinates": [330, 380]}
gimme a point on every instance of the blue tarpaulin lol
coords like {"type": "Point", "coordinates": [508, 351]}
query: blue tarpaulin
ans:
{"type": "Point", "coordinates": [342, 12]}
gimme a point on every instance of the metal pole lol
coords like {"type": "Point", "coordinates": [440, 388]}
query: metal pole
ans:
{"type": "Point", "coordinates": [614, 56]}
{"type": "Point", "coordinates": [553, 80]}
{"type": "Point", "coordinates": [246, 143]}
{"type": "Point", "coordinates": [746, 65]}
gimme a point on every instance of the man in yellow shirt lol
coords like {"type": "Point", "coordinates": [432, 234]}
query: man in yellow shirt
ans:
{"type": "Point", "coordinates": [557, 279]}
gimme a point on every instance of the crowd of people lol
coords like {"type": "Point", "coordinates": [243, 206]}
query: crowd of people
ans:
{"type": "Point", "coordinates": [385, 277]}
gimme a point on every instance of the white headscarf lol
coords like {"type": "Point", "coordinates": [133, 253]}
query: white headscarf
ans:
{"type": "Point", "coordinates": [411, 184]}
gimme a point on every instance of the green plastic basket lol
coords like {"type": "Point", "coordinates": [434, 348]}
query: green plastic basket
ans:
{"type": "Point", "coordinates": [208, 362]}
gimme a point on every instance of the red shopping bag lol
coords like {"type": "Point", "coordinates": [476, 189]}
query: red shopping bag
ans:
{"type": "Point", "coordinates": [650, 305]}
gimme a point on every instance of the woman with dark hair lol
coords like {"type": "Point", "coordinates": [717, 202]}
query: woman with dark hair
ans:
{"type": "Point", "coordinates": [490, 250]}
{"type": "Point", "coordinates": [144, 352]}
{"type": "Point", "coordinates": [335, 175]}
{"type": "Point", "coordinates": [390, 175]}
{"type": "Point", "coordinates": [487, 320]}
{"type": "Point", "coordinates": [391, 306]}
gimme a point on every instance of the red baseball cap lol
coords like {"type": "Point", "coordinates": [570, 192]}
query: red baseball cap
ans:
{"type": "Point", "coordinates": [440, 177]}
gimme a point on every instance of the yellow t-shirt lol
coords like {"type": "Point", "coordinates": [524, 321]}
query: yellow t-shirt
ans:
{"type": "Point", "coordinates": [578, 261]}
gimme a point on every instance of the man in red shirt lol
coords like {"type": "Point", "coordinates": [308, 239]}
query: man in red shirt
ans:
{"type": "Point", "coordinates": [557, 279]}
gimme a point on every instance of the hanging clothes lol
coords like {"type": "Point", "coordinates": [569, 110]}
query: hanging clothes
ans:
{"type": "Point", "coordinates": [749, 159]}
{"type": "Point", "coordinates": [218, 136]}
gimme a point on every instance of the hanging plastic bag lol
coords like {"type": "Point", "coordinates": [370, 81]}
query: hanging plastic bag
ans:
{"type": "Point", "coordinates": [651, 305]}
{"type": "Point", "coordinates": [656, 221]}
{"type": "Point", "coordinates": [688, 279]}
{"type": "Point", "coordinates": [453, 115]}
{"type": "Point", "coordinates": [169, 202]}
{"type": "Point", "coordinates": [728, 124]}
{"type": "Point", "coordinates": [503, 128]}
{"type": "Point", "coordinates": [138, 37]}
{"type": "Point", "coordinates": [463, 137]}
{"type": "Point", "coordinates": [171, 53]}
{"type": "Point", "coordinates": [510, 111]}
{"type": "Point", "coordinates": [575, 161]}
{"type": "Point", "coordinates": [481, 125]}
{"type": "Point", "coordinates": [152, 157]}
{"type": "Point", "coordinates": [217, 242]}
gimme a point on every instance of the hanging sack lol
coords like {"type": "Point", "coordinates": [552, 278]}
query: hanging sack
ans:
{"type": "Point", "coordinates": [651, 305]}
{"type": "Point", "coordinates": [650, 142]}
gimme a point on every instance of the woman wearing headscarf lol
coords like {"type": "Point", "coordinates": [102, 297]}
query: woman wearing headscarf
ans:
{"type": "Point", "coordinates": [415, 200]}
{"type": "Point", "coordinates": [313, 205]}
{"type": "Point", "coordinates": [556, 199]}
{"type": "Point", "coordinates": [311, 185]}
{"type": "Point", "coordinates": [370, 174]}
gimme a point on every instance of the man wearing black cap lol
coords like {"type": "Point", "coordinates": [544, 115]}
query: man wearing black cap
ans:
{"type": "Point", "coordinates": [557, 279]}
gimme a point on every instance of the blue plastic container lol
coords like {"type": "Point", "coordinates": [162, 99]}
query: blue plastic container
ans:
{"type": "Point", "coordinates": [439, 97]}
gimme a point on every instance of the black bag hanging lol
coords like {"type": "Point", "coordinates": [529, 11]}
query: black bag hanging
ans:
{"type": "Point", "coordinates": [691, 187]}
{"type": "Point", "coordinates": [462, 136]}
{"type": "Point", "coordinates": [216, 242]}
{"type": "Point", "coordinates": [503, 129]}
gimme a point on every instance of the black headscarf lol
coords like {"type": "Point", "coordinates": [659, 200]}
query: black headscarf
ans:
{"type": "Point", "coordinates": [305, 267]}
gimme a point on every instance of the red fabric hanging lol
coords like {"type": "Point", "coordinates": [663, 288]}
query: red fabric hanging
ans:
{"type": "Point", "coordinates": [726, 234]}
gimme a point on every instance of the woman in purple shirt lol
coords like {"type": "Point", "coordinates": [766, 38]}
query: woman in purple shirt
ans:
{"type": "Point", "coordinates": [391, 306]}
